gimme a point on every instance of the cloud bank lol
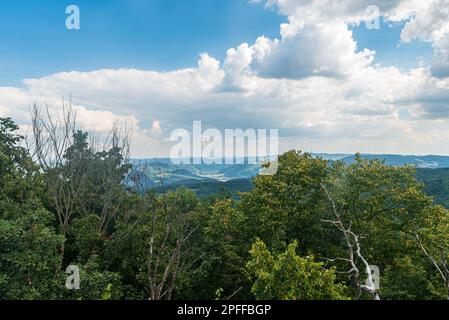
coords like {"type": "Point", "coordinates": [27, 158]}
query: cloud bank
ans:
{"type": "Point", "coordinates": [313, 83]}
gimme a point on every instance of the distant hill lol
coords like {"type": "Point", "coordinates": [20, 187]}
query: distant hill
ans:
{"type": "Point", "coordinates": [239, 171]}
{"type": "Point", "coordinates": [394, 160]}
{"type": "Point", "coordinates": [436, 183]}
{"type": "Point", "coordinates": [211, 187]}
{"type": "Point", "coordinates": [207, 179]}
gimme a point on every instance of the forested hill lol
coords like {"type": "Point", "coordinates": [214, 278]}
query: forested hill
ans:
{"type": "Point", "coordinates": [437, 184]}
{"type": "Point", "coordinates": [427, 161]}
{"type": "Point", "coordinates": [207, 180]}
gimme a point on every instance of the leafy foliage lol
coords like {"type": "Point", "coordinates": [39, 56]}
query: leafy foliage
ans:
{"type": "Point", "coordinates": [271, 242]}
{"type": "Point", "coordinates": [291, 277]}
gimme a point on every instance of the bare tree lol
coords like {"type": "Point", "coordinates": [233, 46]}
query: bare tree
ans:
{"type": "Point", "coordinates": [52, 136]}
{"type": "Point", "coordinates": [354, 252]}
{"type": "Point", "coordinates": [53, 132]}
{"type": "Point", "coordinates": [166, 251]}
{"type": "Point", "coordinates": [119, 137]}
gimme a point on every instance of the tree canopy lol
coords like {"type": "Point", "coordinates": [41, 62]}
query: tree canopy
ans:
{"type": "Point", "coordinates": [313, 230]}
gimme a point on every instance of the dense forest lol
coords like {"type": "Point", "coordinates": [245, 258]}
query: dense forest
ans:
{"type": "Point", "coordinates": [436, 182]}
{"type": "Point", "coordinates": [311, 231]}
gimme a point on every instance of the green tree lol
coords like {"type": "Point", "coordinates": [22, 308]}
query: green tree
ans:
{"type": "Point", "coordinates": [220, 247]}
{"type": "Point", "coordinates": [288, 276]}
{"type": "Point", "coordinates": [288, 206]}
{"type": "Point", "coordinates": [95, 283]}
{"type": "Point", "coordinates": [86, 186]}
{"type": "Point", "coordinates": [29, 256]}
{"type": "Point", "coordinates": [150, 247]}
{"type": "Point", "coordinates": [430, 229]}
{"type": "Point", "coordinates": [376, 203]}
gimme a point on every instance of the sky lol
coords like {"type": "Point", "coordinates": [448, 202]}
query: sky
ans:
{"type": "Point", "coordinates": [315, 70]}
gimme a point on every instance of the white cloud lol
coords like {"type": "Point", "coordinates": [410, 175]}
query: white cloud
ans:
{"type": "Point", "coordinates": [360, 112]}
{"type": "Point", "coordinates": [4, 111]}
{"type": "Point", "coordinates": [322, 49]}
{"type": "Point", "coordinates": [428, 21]}
{"type": "Point", "coordinates": [313, 83]}
{"type": "Point", "coordinates": [348, 11]}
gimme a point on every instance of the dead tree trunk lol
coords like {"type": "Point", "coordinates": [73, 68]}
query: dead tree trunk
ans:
{"type": "Point", "coordinates": [354, 252]}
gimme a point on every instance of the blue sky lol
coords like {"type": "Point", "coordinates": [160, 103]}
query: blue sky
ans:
{"type": "Point", "coordinates": [299, 66]}
{"type": "Point", "coordinates": [155, 34]}
{"type": "Point", "coordinates": [389, 49]}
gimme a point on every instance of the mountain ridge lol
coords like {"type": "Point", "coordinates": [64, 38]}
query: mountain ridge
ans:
{"type": "Point", "coordinates": [208, 178]}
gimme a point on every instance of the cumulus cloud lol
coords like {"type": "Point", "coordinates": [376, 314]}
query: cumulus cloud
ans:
{"type": "Point", "coordinates": [427, 21]}
{"type": "Point", "coordinates": [307, 111]}
{"type": "Point", "coordinates": [317, 50]}
{"type": "Point", "coordinates": [424, 21]}
{"type": "Point", "coordinates": [316, 41]}
{"type": "Point", "coordinates": [313, 83]}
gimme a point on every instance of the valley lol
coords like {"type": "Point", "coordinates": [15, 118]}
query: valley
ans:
{"type": "Point", "coordinates": [209, 179]}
